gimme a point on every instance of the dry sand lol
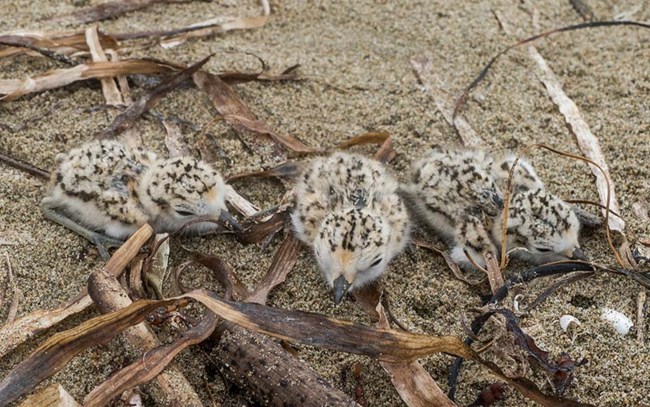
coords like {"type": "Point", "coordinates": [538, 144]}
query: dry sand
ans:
{"type": "Point", "coordinates": [356, 56]}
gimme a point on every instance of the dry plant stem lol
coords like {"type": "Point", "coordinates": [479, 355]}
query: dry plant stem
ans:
{"type": "Point", "coordinates": [53, 395]}
{"type": "Point", "coordinates": [272, 375]}
{"type": "Point", "coordinates": [110, 9]}
{"type": "Point", "coordinates": [495, 276]}
{"type": "Point", "coordinates": [587, 142]}
{"type": "Point", "coordinates": [109, 296]}
{"type": "Point", "coordinates": [24, 166]}
{"type": "Point", "coordinates": [283, 261]}
{"type": "Point", "coordinates": [432, 83]}
{"type": "Point", "coordinates": [109, 87]}
{"type": "Point", "coordinates": [413, 383]}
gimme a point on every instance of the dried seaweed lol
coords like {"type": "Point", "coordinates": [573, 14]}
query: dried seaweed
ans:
{"type": "Point", "coordinates": [286, 169]}
{"type": "Point", "coordinates": [256, 232]}
{"type": "Point", "coordinates": [421, 242]}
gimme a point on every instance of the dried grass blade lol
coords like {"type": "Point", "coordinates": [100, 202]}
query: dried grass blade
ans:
{"type": "Point", "coordinates": [109, 87]}
{"type": "Point", "coordinates": [240, 117]}
{"type": "Point", "coordinates": [283, 262]}
{"type": "Point", "coordinates": [218, 25]}
{"type": "Point", "coordinates": [419, 241]}
{"type": "Point", "coordinates": [432, 83]}
{"type": "Point", "coordinates": [226, 277]}
{"type": "Point", "coordinates": [386, 152]}
{"type": "Point", "coordinates": [588, 143]}
{"type": "Point", "coordinates": [127, 119]}
{"type": "Point", "coordinates": [413, 383]}
{"type": "Point", "coordinates": [288, 74]}
{"type": "Point", "coordinates": [240, 203]}
{"type": "Point", "coordinates": [150, 364]}
{"type": "Point", "coordinates": [12, 89]}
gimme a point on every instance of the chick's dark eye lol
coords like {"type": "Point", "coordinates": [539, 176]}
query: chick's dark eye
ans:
{"type": "Point", "coordinates": [376, 262]}
{"type": "Point", "coordinates": [543, 249]}
{"type": "Point", "coordinates": [184, 213]}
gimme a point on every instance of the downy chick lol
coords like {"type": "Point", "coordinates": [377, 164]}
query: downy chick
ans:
{"type": "Point", "coordinates": [348, 211]}
{"type": "Point", "coordinates": [105, 191]}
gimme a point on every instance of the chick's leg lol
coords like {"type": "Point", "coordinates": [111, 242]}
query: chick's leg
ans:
{"type": "Point", "coordinates": [53, 212]}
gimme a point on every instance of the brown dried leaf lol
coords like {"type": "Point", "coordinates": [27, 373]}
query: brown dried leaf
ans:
{"type": "Point", "coordinates": [373, 137]}
{"type": "Point", "coordinates": [127, 119]}
{"type": "Point", "coordinates": [287, 169]}
{"type": "Point", "coordinates": [225, 276]}
{"type": "Point", "coordinates": [12, 89]}
{"type": "Point", "coordinates": [241, 118]}
{"type": "Point", "coordinates": [150, 364]}
{"type": "Point", "coordinates": [308, 328]}
{"type": "Point", "coordinates": [386, 153]}
{"type": "Point", "coordinates": [12, 335]}
{"type": "Point", "coordinates": [283, 261]}
{"type": "Point", "coordinates": [256, 232]}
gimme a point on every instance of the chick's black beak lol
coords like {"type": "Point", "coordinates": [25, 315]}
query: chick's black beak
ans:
{"type": "Point", "coordinates": [341, 287]}
{"type": "Point", "coordinates": [227, 218]}
{"type": "Point", "coordinates": [578, 255]}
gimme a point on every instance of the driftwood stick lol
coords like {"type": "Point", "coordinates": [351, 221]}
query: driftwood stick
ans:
{"type": "Point", "coordinates": [270, 374]}
{"type": "Point", "coordinates": [108, 295]}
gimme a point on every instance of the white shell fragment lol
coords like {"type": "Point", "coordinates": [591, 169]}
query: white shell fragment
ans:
{"type": "Point", "coordinates": [618, 320]}
{"type": "Point", "coordinates": [567, 320]}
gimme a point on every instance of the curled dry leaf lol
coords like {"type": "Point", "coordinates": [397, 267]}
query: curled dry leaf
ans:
{"type": "Point", "coordinates": [256, 232]}
{"type": "Point", "coordinates": [242, 119]}
{"type": "Point", "coordinates": [456, 271]}
{"type": "Point", "coordinates": [283, 262]}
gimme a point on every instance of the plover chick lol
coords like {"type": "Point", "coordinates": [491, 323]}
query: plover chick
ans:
{"type": "Point", "coordinates": [543, 224]}
{"type": "Point", "coordinates": [348, 211]}
{"type": "Point", "coordinates": [449, 186]}
{"type": "Point", "coordinates": [459, 195]}
{"type": "Point", "coordinates": [105, 191]}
